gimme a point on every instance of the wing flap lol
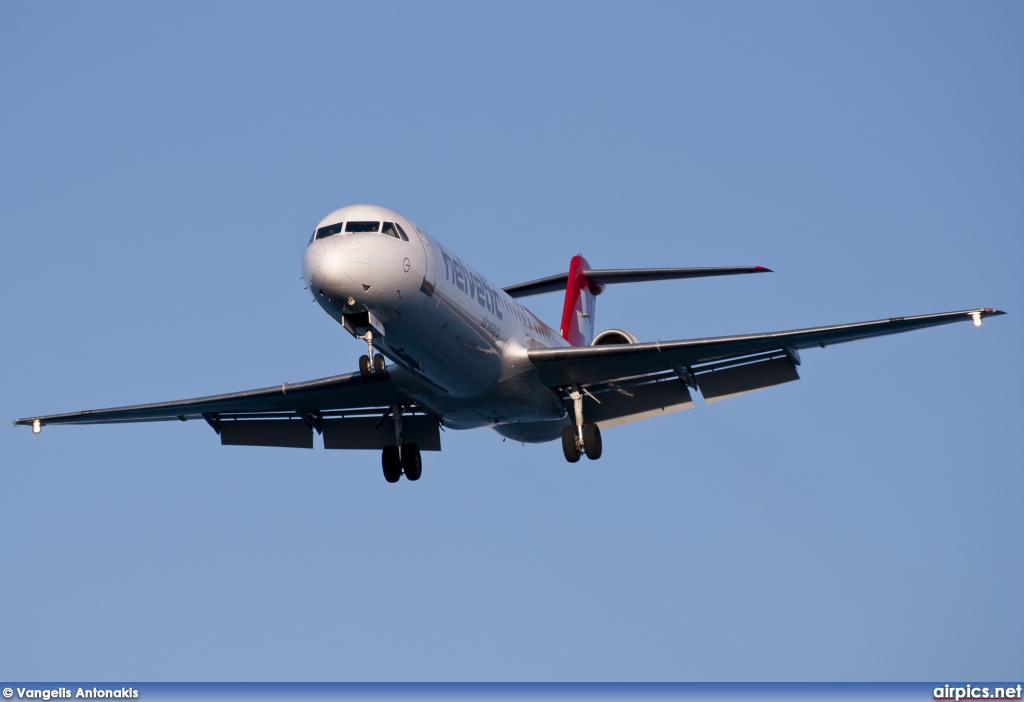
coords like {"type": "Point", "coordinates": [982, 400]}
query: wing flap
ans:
{"type": "Point", "coordinates": [286, 433]}
{"type": "Point", "coordinates": [729, 382]}
{"type": "Point", "coordinates": [621, 405]}
{"type": "Point", "coordinates": [371, 433]}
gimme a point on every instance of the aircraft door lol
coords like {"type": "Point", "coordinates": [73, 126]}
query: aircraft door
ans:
{"type": "Point", "coordinates": [427, 286]}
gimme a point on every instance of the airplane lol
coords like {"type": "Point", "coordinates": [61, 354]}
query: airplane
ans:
{"type": "Point", "coordinates": [464, 353]}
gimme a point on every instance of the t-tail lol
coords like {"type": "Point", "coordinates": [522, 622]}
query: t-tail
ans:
{"type": "Point", "coordinates": [580, 300]}
{"type": "Point", "coordinates": [583, 283]}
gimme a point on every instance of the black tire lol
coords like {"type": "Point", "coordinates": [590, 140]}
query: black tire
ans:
{"type": "Point", "coordinates": [378, 364]}
{"type": "Point", "coordinates": [572, 454]}
{"type": "Point", "coordinates": [391, 463]}
{"type": "Point", "coordinates": [592, 441]}
{"type": "Point", "coordinates": [364, 366]}
{"type": "Point", "coordinates": [412, 463]}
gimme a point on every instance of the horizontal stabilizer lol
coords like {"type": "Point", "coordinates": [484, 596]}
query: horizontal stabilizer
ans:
{"type": "Point", "coordinates": [600, 278]}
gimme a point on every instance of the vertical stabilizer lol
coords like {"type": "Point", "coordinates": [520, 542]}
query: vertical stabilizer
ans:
{"type": "Point", "coordinates": [578, 310]}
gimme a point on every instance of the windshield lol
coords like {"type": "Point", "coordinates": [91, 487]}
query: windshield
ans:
{"type": "Point", "coordinates": [395, 230]}
{"type": "Point", "coordinates": [328, 230]}
{"type": "Point", "coordinates": [356, 227]}
{"type": "Point", "coordinates": [390, 228]}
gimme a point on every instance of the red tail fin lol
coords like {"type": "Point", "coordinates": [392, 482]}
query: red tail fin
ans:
{"type": "Point", "coordinates": [578, 310]}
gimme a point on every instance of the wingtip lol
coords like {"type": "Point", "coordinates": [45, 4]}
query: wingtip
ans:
{"type": "Point", "coordinates": [983, 313]}
{"type": "Point", "coordinates": [35, 422]}
{"type": "Point", "coordinates": [762, 269]}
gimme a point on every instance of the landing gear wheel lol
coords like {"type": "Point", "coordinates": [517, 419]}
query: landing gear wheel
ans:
{"type": "Point", "coordinates": [592, 441]}
{"type": "Point", "coordinates": [572, 453]}
{"type": "Point", "coordinates": [378, 364]}
{"type": "Point", "coordinates": [412, 464]}
{"type": "Point", "coordinates": [364, 366]}
{"type": "Point", "coordinates": [391, 463]}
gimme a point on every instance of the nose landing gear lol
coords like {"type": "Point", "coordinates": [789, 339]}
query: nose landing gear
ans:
{"type": "Point", "coordinates": [579, 437]}
{"type": "Point", "coordinates": [371, 362]}
{"type": "Point", "coordinates": [395, 462]}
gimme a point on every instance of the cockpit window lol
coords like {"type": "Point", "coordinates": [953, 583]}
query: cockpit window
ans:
{"type": "Point", "coordinates": [392, 229]}
{"type": "Point", "coordinates": [359, 227]}
{"type": "Point", "coordinates": [328, 230]}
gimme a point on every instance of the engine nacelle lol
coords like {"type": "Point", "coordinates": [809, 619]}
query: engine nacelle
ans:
{"type": "Point", "coordinates": [614, 336]}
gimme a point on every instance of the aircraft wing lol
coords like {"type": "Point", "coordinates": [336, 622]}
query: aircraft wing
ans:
{"type": "Point", "coordinates": [346, 409]}
{"type": "Point", "coordinates": [720, 366]}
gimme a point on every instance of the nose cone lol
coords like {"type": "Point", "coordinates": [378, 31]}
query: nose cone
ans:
{"type": "Point", "coordinates": [339, 266]}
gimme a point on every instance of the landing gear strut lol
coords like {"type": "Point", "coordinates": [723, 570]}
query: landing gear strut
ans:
{"type": "Point", "coordinates": [407, 460]}
{"type": "Point", "coordinates": [579, 437]}
{"type": "Point", "coordinates": [371, 361]}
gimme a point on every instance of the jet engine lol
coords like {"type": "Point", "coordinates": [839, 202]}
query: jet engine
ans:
{"type": "Point", "coordinates": [614, 336]}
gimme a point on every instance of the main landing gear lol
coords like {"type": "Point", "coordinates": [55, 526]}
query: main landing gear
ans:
{"type": "Point", "coordinates": [395, 462]}
{"type": "Point", "coordinates": [578, 437]}
{"type": "Point", "coordinates": [366, 365]}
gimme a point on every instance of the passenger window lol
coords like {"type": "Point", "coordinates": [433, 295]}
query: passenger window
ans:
{"type": "Point", "coordinates": [361, 227]}
{"type": "Point", "coordinates": [401, 231]}
{"type": "Point", "coordinates": [328, 230]}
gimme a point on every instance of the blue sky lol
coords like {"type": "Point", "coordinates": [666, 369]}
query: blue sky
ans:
{"type": "Point", "coordinates": [164, 164]}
